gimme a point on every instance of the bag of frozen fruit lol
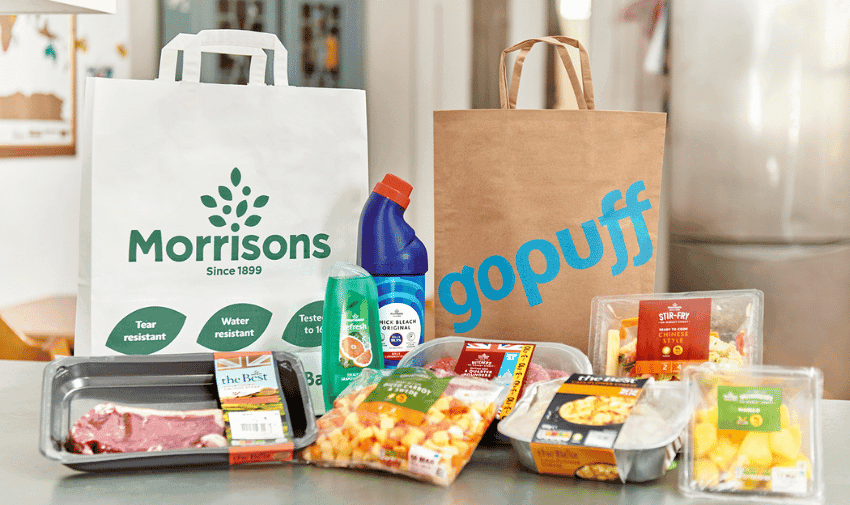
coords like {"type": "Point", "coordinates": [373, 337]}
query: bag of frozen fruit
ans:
{"type": "Point", "coordinates": [412, 422]}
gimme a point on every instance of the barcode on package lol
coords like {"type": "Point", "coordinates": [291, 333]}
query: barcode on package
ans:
{"type": "Point", "coordinates": [425, 461]}
{"type": "Point", "coordinates": [789, 479]}
{"type": "Point", "coordinates": [255, 425]}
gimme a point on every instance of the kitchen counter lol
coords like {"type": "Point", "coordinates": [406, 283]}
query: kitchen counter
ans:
{"type": "Point", "coordinates": [494, 475]}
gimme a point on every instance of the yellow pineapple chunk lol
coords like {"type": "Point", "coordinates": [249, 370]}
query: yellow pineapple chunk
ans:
{"type": "Point", "coordinates": [705, 435]}
{"type": "Point", "coordinates": [755, 449]}
{"type": "Point", "coordinates": [708, 415]}
{"type": "Point", "coordinates": [723, 453]}
{"type": "Point", "coordinates": [797, 433]}
{"type": "Point", "coordinates": [734, 436]}
{"type": "Point", "coordinates": [706, 473]}
{"type": "Point", "coordinates": [785, 416]}
{"type": "Point", "coordinates": [783, 443]}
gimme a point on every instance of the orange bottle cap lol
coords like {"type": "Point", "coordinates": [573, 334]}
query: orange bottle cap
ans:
{"type": "Point", "coordinates": [396, 189]}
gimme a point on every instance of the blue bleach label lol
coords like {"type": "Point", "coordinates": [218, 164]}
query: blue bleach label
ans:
{"type": "Point", "coordinates": [401, 309]}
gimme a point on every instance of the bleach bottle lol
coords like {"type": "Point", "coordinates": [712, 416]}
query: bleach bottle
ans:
{"type": "Point", "coordinates": [398, 261]}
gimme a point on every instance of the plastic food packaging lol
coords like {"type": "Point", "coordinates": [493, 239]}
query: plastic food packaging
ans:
{"type": "Point", "coordinates": [74, 386]}
{"type": "Point", "coordinates": [646, 445]}
{"type": "Point", "coordinates": [656, 335]}
{"type": "Point", "coordinates": [549, 361]}
{"type": "Point", "coordinates": [407, 421]}
{"type": "Point", "coordinates": [754, 434]}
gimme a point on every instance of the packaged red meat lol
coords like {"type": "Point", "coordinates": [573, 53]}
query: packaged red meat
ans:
{"type": "Point", "coordinates": [548, 360]}
{"type": "Point", "coordinates": [135, 412]}
{"type": "Point", "coordinates": [408, 421]}
{"type": "Point", "coordinates": [115, 428]}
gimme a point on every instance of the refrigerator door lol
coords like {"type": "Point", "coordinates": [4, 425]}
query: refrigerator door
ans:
{"type": "Point", "coordinates": [760, 120]}
{"type": "Point", "coordinates": [806, 299]}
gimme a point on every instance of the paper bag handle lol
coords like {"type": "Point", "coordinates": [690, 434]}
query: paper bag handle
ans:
{"type": "Point", "coordinates": [583, 90]}
{"type": "Point", "coordinates": [242, 42]}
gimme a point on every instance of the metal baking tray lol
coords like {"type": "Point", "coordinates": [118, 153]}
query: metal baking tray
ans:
{"type": "Point", "coordinates": [74, 385]}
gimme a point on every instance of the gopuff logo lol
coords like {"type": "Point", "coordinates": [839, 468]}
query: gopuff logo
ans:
{"type": "Point", "coordinates": [227, 209]}
{"type": "Point", "coordinates": [234, 211]}
{"type": "Point", "coordinates": [530, 279]}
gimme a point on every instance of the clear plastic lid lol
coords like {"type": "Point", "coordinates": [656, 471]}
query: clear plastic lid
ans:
{"type": "Point", "coordinates": [655, 335]}
{"type": "Point", "coordinates": [754, 434]}
{"type": "Point", "coordinates": [551, 359]}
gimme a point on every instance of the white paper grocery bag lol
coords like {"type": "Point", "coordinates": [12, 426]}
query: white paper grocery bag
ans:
{"type": "Point", "coordinates": [211, 214]}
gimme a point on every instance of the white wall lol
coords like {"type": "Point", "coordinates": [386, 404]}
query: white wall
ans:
{"type": "Point", "coordinates": [144, 38]}
{"type": "Point", "coordinates": [418, 60]}
{"type": "Point", "coordinates": [529, 19]}
{"type": "Point", "coordinates": [40, 204]}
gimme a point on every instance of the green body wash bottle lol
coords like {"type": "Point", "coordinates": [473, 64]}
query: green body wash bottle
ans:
{"type": "Point", "coordinates": [351, 335]}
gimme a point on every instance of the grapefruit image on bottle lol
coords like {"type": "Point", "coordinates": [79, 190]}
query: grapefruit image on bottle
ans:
{"type": "Point", "coordinates": [351, 339]}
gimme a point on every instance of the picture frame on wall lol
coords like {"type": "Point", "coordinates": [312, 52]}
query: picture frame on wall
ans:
{"type": "Point", "coordinates": [325, 39]}
{"type": "Point", "coordinates": [38, 85]}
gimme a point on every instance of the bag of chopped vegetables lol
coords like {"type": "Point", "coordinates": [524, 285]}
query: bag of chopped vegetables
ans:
{"type": "Point", "coordinates": [410, 421]}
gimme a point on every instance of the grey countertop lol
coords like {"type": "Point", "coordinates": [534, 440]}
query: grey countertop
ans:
{"type": "Point", "coordinates": [494, 475]}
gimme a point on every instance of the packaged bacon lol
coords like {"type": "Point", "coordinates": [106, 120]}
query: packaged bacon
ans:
{"type": "Point", "coordinates": [658, 334]}
{"type": "Point", "coordinates": [409, 421]}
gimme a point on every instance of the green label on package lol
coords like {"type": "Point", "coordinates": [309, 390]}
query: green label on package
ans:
{"type": "Point", "coordinates": [407, 393]}
{"type": "Point", "coordinates": [749, 408]}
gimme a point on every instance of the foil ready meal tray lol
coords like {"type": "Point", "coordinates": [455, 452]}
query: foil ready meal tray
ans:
{"type": "Point", "coordinates": [72, 386]}
{"type": "Point", "coordinates": [645, 448]}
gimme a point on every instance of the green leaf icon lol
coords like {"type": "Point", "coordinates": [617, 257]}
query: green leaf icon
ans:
{"type": "Point", "coordinates": [209, 201]}
{"type": "Point", "coordinates": [242, 208]}
{"type": "Point", "coordinates": [218, 221]}
{"type": "Point", "coordinates": [252, 220]}
{"type": "Point", "coordinates": [146, 330]}
{"type": "Point", "coordinates": [302, 329]}
{"type": "Point", "coordinates": [225, 193]}
{"type": "Point", "coordinates": [235, 177]}
{"type": "Point", "coordinates": [234, 327]}
{"type": "Point", "coordinates": [261, 201]}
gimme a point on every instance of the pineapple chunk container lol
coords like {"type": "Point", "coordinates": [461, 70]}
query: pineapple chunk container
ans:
{"type": "Point", "coordinates": [754, 435]}
{"type": "Point", "coordinates": [658, 334]}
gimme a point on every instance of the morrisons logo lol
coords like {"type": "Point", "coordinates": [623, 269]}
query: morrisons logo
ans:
{"type": "Point", "coordinates": [233, 211]}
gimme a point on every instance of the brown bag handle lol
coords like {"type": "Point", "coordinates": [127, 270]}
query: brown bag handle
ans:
{"type": "Point", "coordinates": [583, 90]}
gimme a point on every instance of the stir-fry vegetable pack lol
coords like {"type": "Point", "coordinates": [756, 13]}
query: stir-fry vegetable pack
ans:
{"type": "Point", "coordinates": [658, 334]}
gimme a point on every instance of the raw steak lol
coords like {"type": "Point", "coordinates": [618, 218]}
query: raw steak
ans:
{"type": "Point", "coordinates": [115, 428]}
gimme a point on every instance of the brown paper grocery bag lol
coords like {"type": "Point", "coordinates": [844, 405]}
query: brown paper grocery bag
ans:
{"type": "Point", "coordinates": [538, 211]}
